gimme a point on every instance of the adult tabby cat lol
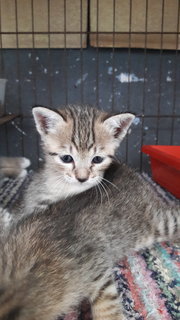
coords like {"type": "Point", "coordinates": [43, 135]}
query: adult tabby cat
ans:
{"type": "Point", "coordinates": [52, 259]}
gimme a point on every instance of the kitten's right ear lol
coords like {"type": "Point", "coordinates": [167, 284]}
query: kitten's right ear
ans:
{"type": "Point", "coordinates": [119, 124]}
{"type": "Point", "coordinates": [46, 120]}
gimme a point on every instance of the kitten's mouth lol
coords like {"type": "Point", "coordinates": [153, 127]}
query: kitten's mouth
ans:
{"type": "Point", "coordinates": [89, 183]}
{"type": "Point", "coordinates": [82, 180]}
{"type": "Point", "coordinates": [86, 182]}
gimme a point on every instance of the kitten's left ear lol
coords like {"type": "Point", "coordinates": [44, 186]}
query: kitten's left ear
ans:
{"type": "Point", "coordinates": [118, 125]}
{"type": "Point", "coordinates": [46, 120]}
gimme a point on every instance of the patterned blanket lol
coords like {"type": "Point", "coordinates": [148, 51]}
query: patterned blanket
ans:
{"type": "Point", "coordinates": [148, 282]}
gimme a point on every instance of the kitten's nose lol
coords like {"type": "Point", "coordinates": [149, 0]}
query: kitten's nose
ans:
{"type": "Point", "coordinates": [82, 179]}
{"type": "Point", "coordinates": [81, 174]}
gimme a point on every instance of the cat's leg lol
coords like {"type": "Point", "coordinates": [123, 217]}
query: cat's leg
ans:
{"type": "Point", "coordinates": [166, 223]}
{"type": "Point", "coordinates": [13, 166]}
{"type": "Point", "coordinates": [160, 225]}
{"type": "Point", "coordinates": [5, 219]}
{"type": "Point", "coordinates": [106, 304]}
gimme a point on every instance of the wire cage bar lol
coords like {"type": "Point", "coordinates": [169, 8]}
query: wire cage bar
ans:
{"type": "Point", "coordinates": [103, 53]}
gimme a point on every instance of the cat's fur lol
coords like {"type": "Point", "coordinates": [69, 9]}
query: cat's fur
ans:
{"type": "Point", "coordinates": [82, 132]}
{"type": "Point", "coordinates": [13, 166]}
{"type": "Point", "coordinates": [51, 260]}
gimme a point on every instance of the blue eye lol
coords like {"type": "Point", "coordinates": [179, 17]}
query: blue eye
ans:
{"type": "Point", "coordinates": [97, 159]}
{"type": "Point", "coordinates": [67, 158]}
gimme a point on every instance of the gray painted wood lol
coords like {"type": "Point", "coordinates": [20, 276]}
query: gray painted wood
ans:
{"type": "Point", "coordinates": [56, 77]}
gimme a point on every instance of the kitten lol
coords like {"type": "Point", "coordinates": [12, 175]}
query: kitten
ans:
{"type": "Point", "coordinates": [51, 260]}
{"type": "Point", "coordinates": [79, 144]}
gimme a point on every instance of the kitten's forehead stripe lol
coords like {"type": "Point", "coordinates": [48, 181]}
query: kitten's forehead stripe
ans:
{"type": "Point", "coordinates": [91, 146]}
{"type": "Point", "coordinates": [83, 135]}
{"type": "Point", "coordinates": [73, 131]}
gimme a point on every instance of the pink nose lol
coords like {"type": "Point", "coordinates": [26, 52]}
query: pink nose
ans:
{"type": "Point", "coordinates": [82, 174]}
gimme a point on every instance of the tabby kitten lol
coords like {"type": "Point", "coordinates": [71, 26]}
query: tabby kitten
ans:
{"type": "Point", "coordinates": [79, 144]}
{"type": "Point", "coordinates": [51, 260]}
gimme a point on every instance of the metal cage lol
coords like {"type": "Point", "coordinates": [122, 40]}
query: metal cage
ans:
{"type": "Point", "coordinates": [115, 68]}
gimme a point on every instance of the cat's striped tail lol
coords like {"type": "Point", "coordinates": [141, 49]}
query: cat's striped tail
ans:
{"type": "Point", "coordinates": [162, 224]}
{"type": "Point", "coordinates": [167, 224]}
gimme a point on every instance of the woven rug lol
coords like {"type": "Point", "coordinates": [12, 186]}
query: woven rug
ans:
{"type": "Point", "coordinates": [148, 282]}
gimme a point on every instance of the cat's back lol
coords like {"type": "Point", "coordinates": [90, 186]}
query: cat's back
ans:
{"type": "Point", "coordinates": [124, 193]}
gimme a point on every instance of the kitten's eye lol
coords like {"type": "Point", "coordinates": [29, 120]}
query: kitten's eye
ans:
{"type": "Point", "coordinates": [97, 159]}
{"type": "Point", "coordinates": [67, 158]}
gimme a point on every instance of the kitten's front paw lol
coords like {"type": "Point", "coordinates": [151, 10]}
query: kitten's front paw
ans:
{"type": "Point", "coordinates": [22, 174]}
{"type": "Point", "coordinates": [5, 218]}
{"type": "Point", "coordinates": [25, 162]}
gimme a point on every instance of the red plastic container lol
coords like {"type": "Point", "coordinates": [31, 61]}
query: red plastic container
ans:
{"type": "Point", "coordinates": [165, 165]}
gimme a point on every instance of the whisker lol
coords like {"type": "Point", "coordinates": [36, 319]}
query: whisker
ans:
{"type": "Point", "coordinates": [103, 186]}
{"type": "Point", "coordinates": [116, 159]}
{"type": "Point", "coordinates": [96, 191]}
{"type": "Point", "coordinates": [100, 192]}
{"type": "Point", "coordinates": [111, 183]}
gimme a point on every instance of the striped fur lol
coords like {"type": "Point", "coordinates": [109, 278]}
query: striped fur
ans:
{"type": "Point", "coordinates": [106, 304]}
{"type": "Point", "coordinates": [83, 133]}
{"type": "Point", "coordinates": [51, 260]}
{"type": "Point", "coordinates": [84, 235]}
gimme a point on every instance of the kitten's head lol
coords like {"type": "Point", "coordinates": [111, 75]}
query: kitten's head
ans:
{"type": "Point", "coordinates": [80, 142]}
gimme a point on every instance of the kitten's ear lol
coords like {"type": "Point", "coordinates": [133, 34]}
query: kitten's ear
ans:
{"type": "Point", "coordinates": [118, 125]}
{"type": "Point", "coordinates": [46, 120]}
